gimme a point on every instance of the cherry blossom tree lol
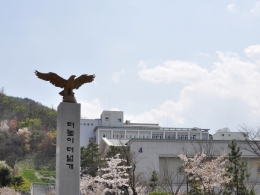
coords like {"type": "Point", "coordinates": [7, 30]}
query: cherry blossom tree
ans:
{"type": "Point", "coordinates": [89, 186]}
{"type": "Point", "coordinates": [8, 191]}
{"type": "Point", "coordinates": [114, 179]}
{"type": "Point", "coordinates": [206, 175]}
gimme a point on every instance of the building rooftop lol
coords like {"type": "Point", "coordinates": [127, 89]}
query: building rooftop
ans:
{"type": "Point", "coordinates": [115, 142]}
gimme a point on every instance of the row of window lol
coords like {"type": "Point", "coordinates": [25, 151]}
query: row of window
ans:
{"type": "Point", "coordinates": [224, 135]}
{"type": "Point", "coordinates": [169, 136]}
{"type": "Point", "coordinates": [154, 136]}
{"type": "Point", "coordinates": [127, 136]}
{"type": "Point", "coordinates": [87, 124]}
{"type": "Point", "coordinates": [118, 120]}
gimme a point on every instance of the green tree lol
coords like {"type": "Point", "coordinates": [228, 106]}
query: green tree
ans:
{"type": "Point", "coordinates": [153, 181]}
{"type": "Point", "coordinates": [90, 159]}
{"type": "Point", "coordinates": [5, 174]}
{"type": "Point", "coordinates": [113, 150]}
{"type": "Point", "coordinates": [17, 181]}
{"type": "Point", "coordinates": [236, 169]}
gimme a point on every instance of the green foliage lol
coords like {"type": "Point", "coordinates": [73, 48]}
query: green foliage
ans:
{"type": "Point", "coordinates": [153, 181]}
{"type": "Point", "coordinates": [5, 174]}
{"type": "Point", "coordinates": [37, 162]}
{"type": "Point", "coordinates": [113, 150]}
{"type": "Point", "coordinates": [194, 188]}
{"type": "Point", "coordinates": [31, 123]}
{"type": "Point", "coordinates": [90, 159]}
{"type": "Point", "coordinates": [158, 193]}
{"type": "Point", "coordinates": [25, 185]}
{"type": "Point", "coordinates": [17, 181]}
{"type": "Point", "coordinates": [236, 169]}
{"type": "Point", "coordinates": [29, 176]}
{"type": "Point", "coordinates": [17, 113]}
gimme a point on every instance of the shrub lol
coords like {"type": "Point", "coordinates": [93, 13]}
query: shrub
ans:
{"type": "Point", "coordinates": [5, 174]}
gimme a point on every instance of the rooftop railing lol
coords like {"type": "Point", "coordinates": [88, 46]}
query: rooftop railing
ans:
{"type": "Point", "coordinates": [153, 128]}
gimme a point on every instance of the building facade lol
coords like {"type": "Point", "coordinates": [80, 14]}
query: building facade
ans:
{"type": "Point", "coordinates": [228, 136]}
{"type": "Point", "coordinates": [162, 156]}
{"type": "Point", "coordinates": [111, 126]}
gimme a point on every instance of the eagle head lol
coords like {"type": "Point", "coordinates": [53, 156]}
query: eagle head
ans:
{"type": "Point", "coordinates": [72, 77]}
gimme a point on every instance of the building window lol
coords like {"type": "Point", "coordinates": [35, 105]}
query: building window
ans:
{"type": "Point", "coordinates": [229, 135]}
{"type": "Point", "coordinates": [116, 136]}
{"type": "Point", "coordinates": [157, 136]}
{"type": "Point", "coordinates": [222, 135]}
{"type": "Point", "coordinates": [134, 136]}
{"type": "Point", "coordinates": [88, 123]}
{"type": "Point", "coordinates": [147, 136]}
{"type": "Point", "coordinates": [91, 124]}
{"type": "Point", "coordinates": [84, 123]}
{"type": "Point", "coordinates": [119, 120]}
{"type": "Point", "coordinates": [113, 136]}
{"type": "Point", "coordinates": [143, 136]}
{"type": "Point", "coordinates": [169, 136]}
{"type": "Point", "coordinates": [130, 136]}
{"type": "Point", "coordinates": [126, 136]}
{"type": "Point", "coordinates": [106, 118]}
{"type": "Point", "coordinates": [104, 135]}
{"type": "Point", "coordinates": [121, 136]}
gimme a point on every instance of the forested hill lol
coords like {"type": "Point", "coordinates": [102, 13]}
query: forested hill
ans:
{"type": "Point", "coordinates": [26, 128]}
{"type": "Point", "coordinates": [22, 109]}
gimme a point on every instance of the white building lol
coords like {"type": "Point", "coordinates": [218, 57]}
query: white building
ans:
{"type": "Point", "coordinates": [111, 125]}
{"type": "Point", "coordinates": [228, 136]}
{"type": "Point", "coordinates": [162, 156]}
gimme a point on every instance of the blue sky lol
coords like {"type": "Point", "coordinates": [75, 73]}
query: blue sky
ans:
{"type": "Point", "coordinates": [177, 63]}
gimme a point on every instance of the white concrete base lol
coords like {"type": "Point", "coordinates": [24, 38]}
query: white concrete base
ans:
{"type": "Point", "coordinates": [68, 149]}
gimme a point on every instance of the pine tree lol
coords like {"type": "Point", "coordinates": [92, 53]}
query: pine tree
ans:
{"type": "Point", "coordinates": [153, 181]}
{"type": "Point", "coordinates": [236, 169]}
{"type": "Point", "coordinates": [90, 159]}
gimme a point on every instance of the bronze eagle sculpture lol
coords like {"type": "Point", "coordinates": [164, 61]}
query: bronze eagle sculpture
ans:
{"type": "Point", "coordinates": [67, 85]}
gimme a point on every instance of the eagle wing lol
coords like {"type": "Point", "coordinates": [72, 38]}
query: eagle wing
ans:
{"type": "Point", "coordinates": [82, 79]}
{"type": "Point", "coordinates": [52, 77]}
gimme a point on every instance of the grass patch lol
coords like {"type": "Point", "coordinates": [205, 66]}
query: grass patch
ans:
{"type": "Point", "coordinates": [29, 175]}
{"type": "Point", "coordinates": [47, 173]}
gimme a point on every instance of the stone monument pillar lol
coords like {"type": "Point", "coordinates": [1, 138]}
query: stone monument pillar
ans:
{"type": "Point", "coordinates": [68, 149]}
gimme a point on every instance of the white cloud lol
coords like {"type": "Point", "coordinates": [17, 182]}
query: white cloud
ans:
{"type": "Point", "coordinates": [203, 54]}
{"type": "Point", "coordinates": [253, 52]}
{"type": "Point", "coordinates": [231, 7]}
{"type": "Point", "coordinates": [167, 109]}
{"type": "Point", "coordinates": [256, 9]}
{"type": "Point", "coordinates": [170, 71]}
{"type": "Point", "coordinates": [231, 81]}
{"type": "Point", "coordinates": [116, 76]}
{"type": "Point", "coordinates": [142, 64]}
{"type": "Point", "coordinates": [91, 109]}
